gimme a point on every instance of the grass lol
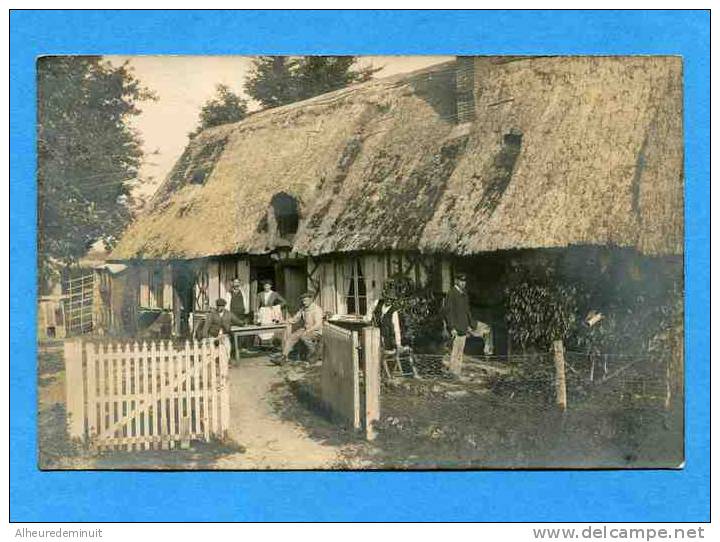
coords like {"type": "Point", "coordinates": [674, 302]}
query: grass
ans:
{"type": "Point", "coordinates": [436, 424]}
{"type": "Point", "coordinates": [420, 430]}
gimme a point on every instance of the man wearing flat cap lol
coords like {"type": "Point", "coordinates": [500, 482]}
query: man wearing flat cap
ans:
{"type": "Point", "coordinates": [219, 321]}
{"type": "Point", "coordinates": [311, 318]}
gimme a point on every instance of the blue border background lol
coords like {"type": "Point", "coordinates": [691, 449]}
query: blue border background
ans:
{"type": "Point", "coordinates": [467, 496]}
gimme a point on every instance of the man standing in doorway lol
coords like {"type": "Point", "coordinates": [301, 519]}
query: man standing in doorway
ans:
{"type": "Point", "coordinates": [458, 321]}
{"type": "Point", "coordinates": [237, 300]}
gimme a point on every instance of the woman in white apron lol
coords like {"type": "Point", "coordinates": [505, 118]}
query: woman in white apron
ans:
{"type": "Point", "coordinates": [269, 308]}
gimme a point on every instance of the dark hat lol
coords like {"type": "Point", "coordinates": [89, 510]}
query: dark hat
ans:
{"type": "Point", "coordinates": [263, 282]}
{"type": "Point", "coordinates": [306, 294]}
{"type": "Point", "coordinates": [460, 276]}
{"type": "Point", "coordinates": [220, 302]}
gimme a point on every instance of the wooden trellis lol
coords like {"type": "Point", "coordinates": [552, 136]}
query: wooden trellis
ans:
{"type": "Point", "coordinates": [79, 304]}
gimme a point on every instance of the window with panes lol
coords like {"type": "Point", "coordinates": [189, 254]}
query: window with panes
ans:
{"type": "Point", "coordinates": [355, 288]}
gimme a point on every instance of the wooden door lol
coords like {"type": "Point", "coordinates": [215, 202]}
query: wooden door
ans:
{"type": "Point", "coordinates": [295, 279]}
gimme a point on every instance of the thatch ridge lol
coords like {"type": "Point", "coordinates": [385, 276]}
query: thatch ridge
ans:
{"type": "Point", "coordinates": [563, 151]}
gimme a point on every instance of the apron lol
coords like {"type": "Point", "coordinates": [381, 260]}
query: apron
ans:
{"type": "Point", "coordinates": [267, 316]}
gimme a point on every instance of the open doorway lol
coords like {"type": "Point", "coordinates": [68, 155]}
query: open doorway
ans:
{"type": "Point", "coordinates": [183, 281]}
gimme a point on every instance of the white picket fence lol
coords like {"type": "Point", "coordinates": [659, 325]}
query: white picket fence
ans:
{"type": "Point", "coordinates": [140, 396]}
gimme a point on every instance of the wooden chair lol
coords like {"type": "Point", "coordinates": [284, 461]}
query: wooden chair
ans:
{"type": "Point", "coordinates": [403, 362]}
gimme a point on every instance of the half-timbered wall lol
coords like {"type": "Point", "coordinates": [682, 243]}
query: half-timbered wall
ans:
{"type": "Point", "coordinates": [214, 279]}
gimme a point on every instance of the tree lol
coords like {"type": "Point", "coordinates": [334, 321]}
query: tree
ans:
{"type": "Point", "coordinates": [88, 155]}
{"type": "Point", "coordinates": [223, 108]}
{"type": "Point", "coordinates": [281, 80]}
{"type": "Point", "coordinates": [272, 82]}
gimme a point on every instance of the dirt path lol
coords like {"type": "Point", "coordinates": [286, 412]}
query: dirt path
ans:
{"type": "Point", "coordinates": [269, 441]}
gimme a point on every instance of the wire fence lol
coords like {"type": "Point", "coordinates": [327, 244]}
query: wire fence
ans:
{"type": "Point", "coordinates": [531, 378]}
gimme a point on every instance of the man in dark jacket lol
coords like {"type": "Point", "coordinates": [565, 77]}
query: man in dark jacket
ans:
{"type": "Point", "coordinates": [237, 300]}
{"type": "Point", "coordinates": [219, 321]}
{"type": "Point", "coordinates": [458, 320]}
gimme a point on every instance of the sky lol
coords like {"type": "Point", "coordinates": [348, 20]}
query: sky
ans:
{"type": "Point", "coordinates": [184, 83]}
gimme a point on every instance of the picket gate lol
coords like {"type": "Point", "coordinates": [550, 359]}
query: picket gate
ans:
{"type": "Point", "coordinates": [140, 396]}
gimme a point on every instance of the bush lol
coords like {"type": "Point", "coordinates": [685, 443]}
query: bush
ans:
{"type": "Point", "coordinates": [420, 310]}
{"type": "Point", "coordinates": [540, 313]}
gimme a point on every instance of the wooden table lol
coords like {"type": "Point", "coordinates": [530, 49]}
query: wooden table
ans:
{"type": "Point", "coordinates": [355, 323]}
{"type": "Point", "coordinates": [249, 331]}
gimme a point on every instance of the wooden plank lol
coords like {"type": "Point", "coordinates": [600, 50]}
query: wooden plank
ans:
{"type": "Point", "coordinates": [171, 362]}
{"type": "Point", "coordinates": [152, 396]}
{"type": "Point", "coordinates": [124, 391]}
{"type": "Point", "coordinates": [187, 380]}
{"type": "Point", "coordinates": [115, 405]}
{"type": "Point", "coordinates": [205, 364]}
{"type": "Point", "coordinates": [159, 390]}
{"type": "Point", "coordinates": [106, 436]}
{"type": "Point", "coordinates": [214, 362]}
{"type": "Point", "coordinates": [102, 389]}
{"type": "Point", "coordinates": [136, 404]}
{"type": "Point", "coordinates": [165, 365]}
{"type": "Point", "coordinates": [195, 392]}
{"type": "Point", "coordinates": [185, 417]}
{"type": "Point", "coordinates": [355, 382]}
{"type": "Point", "coordinates": [146, 397]}
{"type": "Point", "coordinates": [103, 376]}
{"type": "Point", "coordinates": [91, 361]}
{"type": "Point", "coordinates": [372, 351]}
{"type": "Point", "coordinates": [225, 389]}
{"type": "Point", "coordinates": [155, 375]}
{"type": "Point", "coordinates": [74, 392]}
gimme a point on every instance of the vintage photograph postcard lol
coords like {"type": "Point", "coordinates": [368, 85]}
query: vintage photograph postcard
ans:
{"type": "Point", "coordinates": [332, 263]}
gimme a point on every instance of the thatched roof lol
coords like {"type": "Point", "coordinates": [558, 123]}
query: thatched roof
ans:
{"type": "Point", "coordinates": [563, 151]}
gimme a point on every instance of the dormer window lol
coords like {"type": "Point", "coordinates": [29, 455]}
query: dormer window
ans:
{"type": "Point", "coordinates": [285, 210]}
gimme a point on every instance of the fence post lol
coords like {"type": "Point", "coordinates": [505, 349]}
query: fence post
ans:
{"type": "Point", "coordinates": [560, 385]}
{"type": "Point", "coordinates": [371, 348]}
{"type": "Point", "coordinates": [74, 388]}
{"type": "Point", "coordinates": [225, 391]}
